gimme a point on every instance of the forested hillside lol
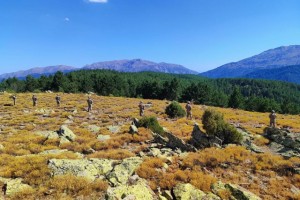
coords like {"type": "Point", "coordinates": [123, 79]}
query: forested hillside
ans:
{"type": "Point", "coordinates": [253, 95]}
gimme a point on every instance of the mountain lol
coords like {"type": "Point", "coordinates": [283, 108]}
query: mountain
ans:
{"type": "Point", "coordinates": [38, 71]}
{"type": "Point", "coordinates": [289, 74]}
{"type": "Point", "coordinates": [270, 59]}
{"type": "Point", "coordinates": [138, 65]}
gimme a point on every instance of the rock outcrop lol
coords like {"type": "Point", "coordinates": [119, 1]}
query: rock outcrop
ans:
{"type": "Point", "coordinates": [188, 192]}
{"type": "Point", "coordinates": [116, 172]}
{"type": "Point", "coordinates": [64, 134]}
{"type": "Point", "coordinates": [201, 140]}
{"type": "Point", "coordinates": [283, 142]}
{"type": "Point", "coordinates": [237, 192]}
{"type": "Point", "coordinates": [138, 190]}
{"type": "Point", "coordinates": [13, 186]}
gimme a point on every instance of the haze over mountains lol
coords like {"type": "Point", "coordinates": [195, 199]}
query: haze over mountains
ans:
{"type": "Point", "coordinates": [282, 63]}
{"type": "Point", "coordinates": [270, 59]}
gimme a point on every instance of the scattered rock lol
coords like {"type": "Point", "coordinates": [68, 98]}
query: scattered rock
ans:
{"type": "Point", "coordinates": [103, 138]}
{"type": "Point", "coordinates": [121, 173]}
{"type": "Point", "coordinates": [93, 128]}
{"type": "Point", "coordinates": [283, 142]}
{"type": "Point", "coordinates": [247, 141]}
{"type": "Point", "coordinates": [201, 140]}
{"type": "Point", "coordinates": [65, 132]}
{"type": "Point", "coordinates": [14, 186]}
{"type": "Point", "coordinates": [133, 129]}
{"type": "Point", "coordinates": [140, 190]}
{"type": "Point", "coordinates": [241, 193]}
{"type": "Point", "coordinates": [187, 192]}
{"type": "Point", "coordinates": [89, 168]}
{"type": "Point", "coordinates": [114, 129]}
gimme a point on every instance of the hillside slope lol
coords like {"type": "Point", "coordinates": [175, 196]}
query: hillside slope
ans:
{"type": "Point", "coordinates": [270, 59]}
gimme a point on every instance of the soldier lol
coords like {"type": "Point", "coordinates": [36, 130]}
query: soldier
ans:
{"type": "Point", "coordinates": [57, 98]}
{"type": "Point", "coordinates": [272, 117]}
{"type": "Point", "coordinates": [142, 108]}
{"type": "Point", "coordinates": [90, 103]}
{"type": "Point", "coordinates": [188, 108]}
{"type": "Point", "coordinates": [34, 100]}
{"type": "Point", "coordinates": [14, 97]}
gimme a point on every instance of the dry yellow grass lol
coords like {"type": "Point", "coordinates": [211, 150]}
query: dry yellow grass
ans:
{"type": "Point", "coordinates": [20, 156]}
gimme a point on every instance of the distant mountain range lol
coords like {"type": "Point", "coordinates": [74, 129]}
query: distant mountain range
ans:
{"type": "Point", "coordinates": [135, 65]}
{"type": "Point", "coordinates": [258, 66]}
{"type": "Point", "coordinates": [282, 63]}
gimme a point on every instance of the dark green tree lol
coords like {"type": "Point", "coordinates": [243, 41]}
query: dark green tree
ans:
{"type": "Point", "coordinates": [236, 100]}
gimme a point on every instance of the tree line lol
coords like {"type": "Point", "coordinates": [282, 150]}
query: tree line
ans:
{"type": "Point", "coordinates": [248, 94]}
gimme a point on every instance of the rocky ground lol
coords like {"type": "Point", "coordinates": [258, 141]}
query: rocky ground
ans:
{"type": "Point", "coordinates": [50, 152]}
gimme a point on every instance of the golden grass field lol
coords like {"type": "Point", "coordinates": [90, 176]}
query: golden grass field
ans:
{"type": "Point", "coordinates": [262, 174]}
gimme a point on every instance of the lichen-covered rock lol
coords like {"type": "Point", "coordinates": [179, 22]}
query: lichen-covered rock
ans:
{"type": "Point", "coordinates": [124, 170]}
{"type": "Point", "coordinates": [241, 193]}
{"type": "Point", "coordinates": [139, 191]}
{"type": "Point", "coordinates": [247, 141]}
{"type": "Point", "coordinates": [114, 129]}
{"type": "Point", "coordinates": [133, 129]}
{"type": "Point", "coordinates": [202, 140]}
{"type": "Point", "coordinates": [93, 128]}
{"type": "Point", "coordinates": [89, 168]}
{"type": "Point", "coordinates": [187, 192]}
{"type": "Point", "coordinates": [103, 138]}
{"type": "Point", "coordinates": [283, 142]}
{"type": "Point", "coordinates": [14, 186]}
{"type": "Point", "coordinates": [65, 132]}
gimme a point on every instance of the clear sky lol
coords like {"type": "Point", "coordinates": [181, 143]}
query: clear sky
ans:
{"type": "Point", "coordinates": [199, 34]}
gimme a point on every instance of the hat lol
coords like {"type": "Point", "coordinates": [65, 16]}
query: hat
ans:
{"type": "Point", "coordinates": [273, 111]}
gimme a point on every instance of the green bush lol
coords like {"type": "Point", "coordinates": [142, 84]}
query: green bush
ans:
{"type": "Point", "coordinates": [152, 124]}
{"type": "Point", "coordinates": [214, 124]}
{"type": "Point", "coordinates": [175, 110]}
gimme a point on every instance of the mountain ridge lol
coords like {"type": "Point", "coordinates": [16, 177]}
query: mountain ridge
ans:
{"type": "Point", "coordinates": [134, 65]}
{"type": "Point", "coordinates": [269, 59]}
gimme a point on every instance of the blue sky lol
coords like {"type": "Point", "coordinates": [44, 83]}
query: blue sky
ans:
{"type": "Point", "coordinates": [199, 34]}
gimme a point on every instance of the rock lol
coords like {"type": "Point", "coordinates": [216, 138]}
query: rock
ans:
{"type": "Point", "coordinates": [14, 185]}
{"type": "Point", "coordinates": [89, 168]}
{"type": "Point", "coordinates": [121, 173]}
{"type": "Point", "coordinates": [167, 194]}
{"type": "Point", "coordinates": [169, 140]}
{"type": "Point", "coordinates": [187, 192]}
{"type": "Point", "coordinates": [135, 122]}
{"type": "Point", "coordinates": [133, 129]}
{"type": "Point", "coordinates": [283, 142]}
{"type": "Point", "coordinates": [53, 151]}
{"type": "Point", "coordinates": [138, 191]}
{"type": "Point", "coordinates": [103, 138]}
{"type": "Point", "coordinates": [201, 140]}
{"type": "Point", "coordinates": [247, 141]}
{"type": "Point", "coordinates": [295, 190]}
{"type": "Point", "coordinates": [241, 193]}
{"type": "Point", "coordinates": [48, 134]}
{"type": "Point", "coordinates": [65, 132]}
{"type": "Point", "coordinates": [93, 128]}
{"type": "Point", "coordinates": [114, 129]}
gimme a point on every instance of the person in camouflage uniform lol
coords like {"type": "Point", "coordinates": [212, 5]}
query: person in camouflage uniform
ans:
{"type": "Point", "coordinates": [14, 97]}
{"type": "Point", "coordinates": [188, 108]}
{"type": "Point", "coordinates": [34, 100]}
{"type": "Point", "coordinates": [90, 104]}
{"type": "Point", "coordinates": [141, 108]}
{"type": "Point", "coordinates": [57, 98]}
{"type": "Point", "coordinates": [272, 117]}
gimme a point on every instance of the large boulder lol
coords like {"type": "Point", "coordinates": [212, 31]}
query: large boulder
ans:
{"type": "Point", "coordinates": [247, 141]}
{"type": "Point", "coordinates": [124, 170]}
{"type": "Point", "coordinates": [138, 190]}
{"type": "Point", "coordinates": [283, 142]}
{"type": "Point", "coordinates": [241, 193]}
{"type": "Point", "coordinates": [66, 133]}
{"type": "Point", "coordinates": [89, 168]}
{"type": "Point", "coordinates": [201, 140]}
{"type": "Point", "coordinates": [13, 186]}
{"type": "Point", "coordinates": [236, 191]}
{"type": "Point", "coordinates": [188, 192]}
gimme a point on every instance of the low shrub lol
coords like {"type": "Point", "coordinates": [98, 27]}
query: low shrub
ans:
{"type": "Point", "coordinates": [175, 110]}
{"type": "Point", "coordinates": [214, 124]}
{"type": "Point", "coordinates": [152, 124]}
